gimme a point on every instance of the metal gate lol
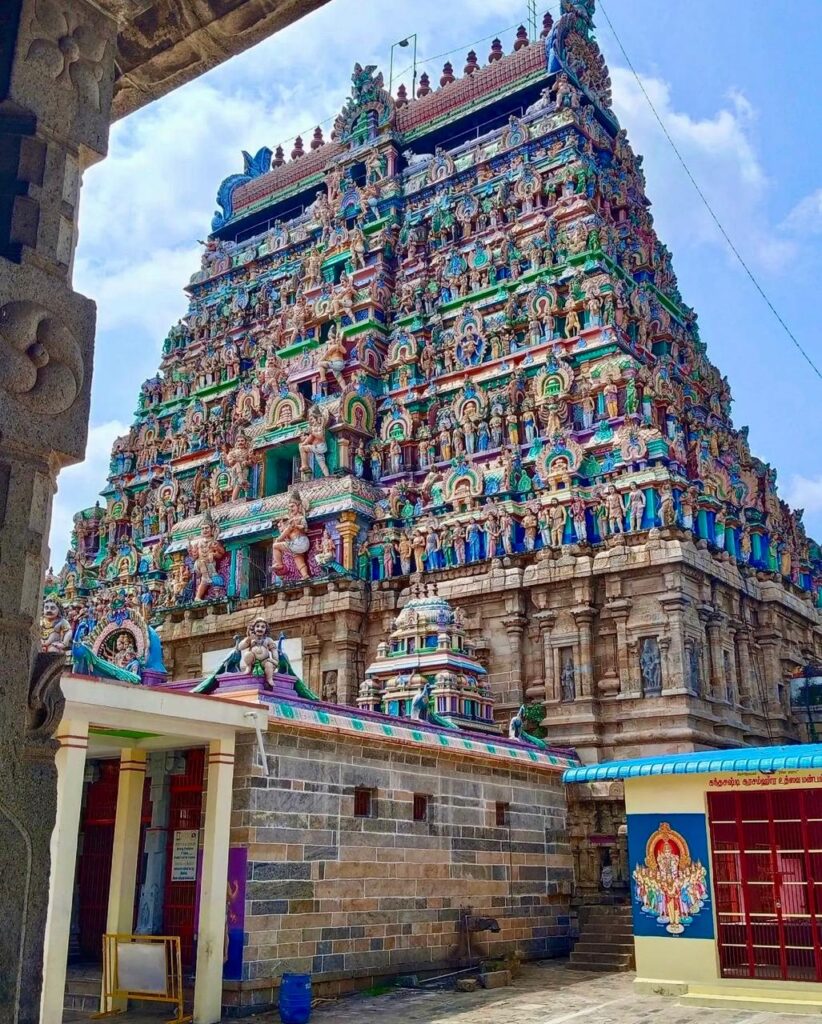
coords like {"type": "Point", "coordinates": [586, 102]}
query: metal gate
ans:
{"type": "Point", "coordinates": [185, 807]}
{"type": "Point", "coordinates": [767, 864]}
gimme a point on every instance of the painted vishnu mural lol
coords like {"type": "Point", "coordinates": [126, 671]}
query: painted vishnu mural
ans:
{"type": "Point", "coordinates": [670, 881]}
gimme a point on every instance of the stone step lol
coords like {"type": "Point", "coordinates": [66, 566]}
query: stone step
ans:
{"type": "Point", "coordinates": [587, 944]}
{"type": "Point", "coordinates": [90, 1003]}
{"type": "Point", "coordinates": [83, 986]}
{"type": "Point", "coordinates": [597, 965]}
{"type": "Point", "coordinates": [606, 934]}
{"type": "Point", "coordinates": [602, 956]}
{"type": "Point", "coordinates": [772, 1002]}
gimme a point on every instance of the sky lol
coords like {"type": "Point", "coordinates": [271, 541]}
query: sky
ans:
{"type": "Point", "coordinates": [733, 82]}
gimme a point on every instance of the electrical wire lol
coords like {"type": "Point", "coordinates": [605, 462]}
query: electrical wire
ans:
{"type": "Point", "coordinates": [707, 205]}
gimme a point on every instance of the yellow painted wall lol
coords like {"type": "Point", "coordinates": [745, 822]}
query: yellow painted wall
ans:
{"type": "Point", "coordinates": [662, 963]}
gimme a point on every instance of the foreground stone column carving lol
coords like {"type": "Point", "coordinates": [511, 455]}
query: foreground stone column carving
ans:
{"type": "Point", "coordinates": [56, 78]}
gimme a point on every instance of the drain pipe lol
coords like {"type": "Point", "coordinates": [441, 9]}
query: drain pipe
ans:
{"type": "Point", "coordinates": [255, 717]}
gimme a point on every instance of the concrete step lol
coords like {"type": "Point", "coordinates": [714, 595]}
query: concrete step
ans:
{"type": "Point", "coordinates": [772, 1002]}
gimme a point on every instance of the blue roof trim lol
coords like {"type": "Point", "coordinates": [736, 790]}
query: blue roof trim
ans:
{"type": "Point", "coordinates": [744, 759]}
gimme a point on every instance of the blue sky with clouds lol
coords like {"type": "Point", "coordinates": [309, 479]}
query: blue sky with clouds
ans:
{"type": "Point", "coordinates": [736, 84]}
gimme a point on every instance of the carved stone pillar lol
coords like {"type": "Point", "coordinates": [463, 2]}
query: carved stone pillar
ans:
{"type": "Point", "coordinates": [619, 610]}
{"type": "Point", "coordinates": [774, 680]}
{"type": "Point", "coordinates": [742, 643]}
{"type": "Point", "coordinates": [545, 621]}
{"type": "Point", "coordinates": [514, 627]}
{"type": "Point", "coordinates": [56, 80]}
{"type": "Point", "coordinates": [347, 647]}
{"type": "Point", "coordinates": [311, 662]}
{"type": "Point", "coordinates": [713, 628]}
{"type": "Point", "coordinates": [584, 617]}
{"type": "Point", "coordinates": [674, 605]}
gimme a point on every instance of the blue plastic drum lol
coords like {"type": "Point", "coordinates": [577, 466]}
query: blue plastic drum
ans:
{"type": "Point", "coordinates": [295, 998]}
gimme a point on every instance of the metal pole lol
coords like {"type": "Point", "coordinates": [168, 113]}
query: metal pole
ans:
{"type": "Point", "coordinates": [414, 73]}
{"type": "Point", "coordinates": [391, 69]}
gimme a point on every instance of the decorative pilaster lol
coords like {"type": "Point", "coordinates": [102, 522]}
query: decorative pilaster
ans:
{"type": "Point", "coordinates": [742, 644]}
{"type": "Point", "coordinates": [514, 627]}
{"type": "Point", "coordinates": [546, 621]}
{"type": "Point", "coordinates": [713, 628]}
{"type": "Point", "coordinates": [584, 617]}
{"type": "Point", "coordinates": [348, 530]}
{"type": "Point", "coordinates": [619, 609]}
{"type": "Point", "coordinates": [673, 606]}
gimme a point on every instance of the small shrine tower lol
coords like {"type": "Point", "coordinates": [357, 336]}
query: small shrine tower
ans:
{"type": "Point", "coordinates": [427, 646]}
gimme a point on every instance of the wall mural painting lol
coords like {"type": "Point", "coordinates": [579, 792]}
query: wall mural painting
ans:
{"type": "Point", "coordinates": [670, 880]}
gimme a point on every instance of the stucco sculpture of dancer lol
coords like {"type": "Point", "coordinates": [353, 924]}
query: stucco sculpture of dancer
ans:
{"type": "Point", "coordinates": [206, 550]}
{"type": "Point", "coordinates": [258, 652]}
{"type": "Point", "coordinates": [635, 502]}
{"type": "Point", "coordinates": [313, 444]}
{"type": "Point", "coordinates": [333, 357]}
{"type": "Point", "coordinates": [240, 459]}
{"type": "Point", "coordinates": [293, 538]}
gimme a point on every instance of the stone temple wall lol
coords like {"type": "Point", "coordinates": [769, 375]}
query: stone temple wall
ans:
{"type": "Point", "coordinates": [726, 643]}
{"type": "Point", "coordinates": [351, 898]}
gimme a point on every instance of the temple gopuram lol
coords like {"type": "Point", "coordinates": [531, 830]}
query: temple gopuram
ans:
{"type": "Point", "coordinates": [445, 346]}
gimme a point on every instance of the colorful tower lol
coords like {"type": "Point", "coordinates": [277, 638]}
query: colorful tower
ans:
{"type": "Point", "coordinates": [447, 345]}
{"type": "Point", "coordinates": [427, 650]}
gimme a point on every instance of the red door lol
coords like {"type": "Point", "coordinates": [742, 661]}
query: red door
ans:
{"type": "Point", "coordinates": [94, 862]}
{"type": "Point", "coordinates": [767, 863]}
{"type": "Point", "coordinates": [185, 808]}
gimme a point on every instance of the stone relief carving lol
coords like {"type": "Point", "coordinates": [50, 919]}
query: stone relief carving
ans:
{"type": "Point", "coordinates": [46, 702]}
{"type": "Point", "coordinates": [40, 360]}
{"type": "Point", "coordinates": [71, 49]}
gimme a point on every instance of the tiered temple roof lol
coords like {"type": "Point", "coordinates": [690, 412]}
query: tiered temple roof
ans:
{"type": "Point", "coordinates": [450, 334]}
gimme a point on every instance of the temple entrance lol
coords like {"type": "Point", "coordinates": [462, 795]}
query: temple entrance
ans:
{"type": "Point", "coordinates": [94, 866]}
{"type": "Point", "coordinates": [767, 864]}
{"type": "Point", "coordinates": [185, 808]}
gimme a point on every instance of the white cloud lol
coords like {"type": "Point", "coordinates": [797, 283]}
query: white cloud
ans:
{"type": "Point", "coordinates": [723, 159]}
{"type": "Point", "coordinates": [805, 492]}
{"type": "Point", "coordinates": [806, 217]}
{"type": "Point", "coordinates": [79, 486]}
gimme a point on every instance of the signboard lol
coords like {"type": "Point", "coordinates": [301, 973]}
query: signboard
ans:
{"type": "Point", "coordinates": [184, 855]}
{"type": "Point", "coordinates": [761, 780]}
{"type": "Point", "coordinates": [142, 968]}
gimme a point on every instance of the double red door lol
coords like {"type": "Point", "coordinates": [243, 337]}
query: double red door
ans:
{"type": "Point", "coordinates": [767, 866]}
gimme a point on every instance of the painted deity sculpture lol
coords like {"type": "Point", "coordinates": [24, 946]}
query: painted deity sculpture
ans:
{"type": "Point", "coordinates": [292, 538]}
{"type": "Point", "coordinates": [258, 652]}
{"type": "Point", "coordinates": [206, 552]}
{"type": "Point", "coordinates": [55, 628]}
{"type": "Point", "coordinates": [313, 446]}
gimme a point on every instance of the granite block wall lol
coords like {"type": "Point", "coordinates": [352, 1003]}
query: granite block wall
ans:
{"type": "Point", "coordinates": [347, 897]}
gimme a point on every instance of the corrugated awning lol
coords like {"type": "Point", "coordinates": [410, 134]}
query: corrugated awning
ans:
{"type": "Point", "coordinates": [740, 759]}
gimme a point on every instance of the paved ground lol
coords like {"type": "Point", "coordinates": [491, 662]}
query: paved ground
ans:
{"type": "Point", "coordinates": [544, 993]}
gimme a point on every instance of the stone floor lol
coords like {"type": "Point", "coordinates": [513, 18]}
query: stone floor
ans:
{"type": "Point", "coordinates": [544, 993]}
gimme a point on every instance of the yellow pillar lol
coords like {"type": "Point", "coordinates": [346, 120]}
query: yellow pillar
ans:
{"type": "Point", "coordinates": [208, 982]}
{"type": "Point", "coordinates": [71, 763]}
{"type": "Point", "coordinates": [120, 919]}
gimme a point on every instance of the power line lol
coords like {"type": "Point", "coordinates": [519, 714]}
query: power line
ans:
{"type": "Point", "coordinates": [707, 205]}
